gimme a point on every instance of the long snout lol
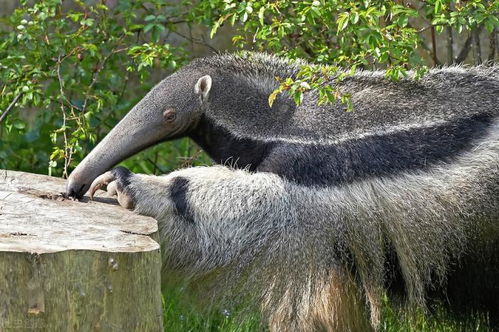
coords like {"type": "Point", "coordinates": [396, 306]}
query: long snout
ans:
{"type": "Point", "coordinates": [134, 133]}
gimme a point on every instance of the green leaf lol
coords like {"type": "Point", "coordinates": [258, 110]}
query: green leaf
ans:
{"type": "Point", "coordinates": [244, 18]}
{"type": "Point", "coordinates": [403, 20]}
{"type": "Point", "coordinates": [148, 27]}
{"type": "Point", "coordinates": [305, 85]}
{"type": "Point", "coordinates": [354, 18]}
{"type": "Point", "coordinates": [438, 6]}
{"type": "Point", "coordinates": [491, 23]}
{"type": "Point", "coordinates": [18, 124]}
{"type": "Point", "coordinates": [298, 97]}
{"type": "Point", "coordinates": [342, 22]}
{"type": "Point", "coordinates": [215, 27]}
{"type": "Point", "coordinates": [261, 14]}
{"type": "Point", "coordinates": [135, 27]}
{"type": "Point", "coordinates": [87, 22]}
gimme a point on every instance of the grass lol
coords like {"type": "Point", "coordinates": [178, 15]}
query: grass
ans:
{"type": "Point", "coordinates": [440, 321]}
{"type": "Point", "coordinates": [181, 315]}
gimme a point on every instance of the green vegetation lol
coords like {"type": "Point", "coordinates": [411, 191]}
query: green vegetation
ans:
{"type": "Point", "coordinates": [70, 71]}
{"type": "Point", "coordinates": [74, 73]}
{"type": "Point", "coordinates": [438, 321]}
{"type": "Point", "coordinates": [180, 315]}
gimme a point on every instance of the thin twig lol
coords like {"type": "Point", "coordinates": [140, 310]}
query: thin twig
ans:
{"type": "Point", "coordinates": [196, 41]}
{"type": "Point", "coordinates": [95, 74]}
{"type": "Point", "coordinates": [430, 26]}
{"type": "Point", "coordinates": [68, 151]}
{"type": "Point", "coordinates": [59, 61]}
{"type": "Point", "coordinates": [422, 40]}
{"type": "Point", "coordinates": [11, 106]}
{"type": "Point", "coordinates": [154, 163]}
{"type": "Point", "coordinates": [191, 37]}
{"type": "Point", "coordinates": [178, 21]}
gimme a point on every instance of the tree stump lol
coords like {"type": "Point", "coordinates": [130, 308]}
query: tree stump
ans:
{"type": "Point", "coordinates": [74, 266]}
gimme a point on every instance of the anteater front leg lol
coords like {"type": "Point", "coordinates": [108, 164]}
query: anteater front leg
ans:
{"type": "Point", "coordinates": [117, 181]}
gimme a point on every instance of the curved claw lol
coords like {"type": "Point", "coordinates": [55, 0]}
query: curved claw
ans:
{"type": "Point", "coordinates": [100, 181]}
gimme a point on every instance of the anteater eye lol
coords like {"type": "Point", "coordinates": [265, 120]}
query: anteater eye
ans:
{"type": "Point", "coordinates": [169, 115]}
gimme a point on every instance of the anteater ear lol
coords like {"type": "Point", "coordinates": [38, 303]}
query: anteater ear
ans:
{"type": "Point", "coordinates": [203, 86]}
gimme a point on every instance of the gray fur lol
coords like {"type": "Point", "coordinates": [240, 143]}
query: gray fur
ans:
{"type": "Point", "coordinates": [276, 228]}
{"type": "Point", "coordinates": [315, 252]}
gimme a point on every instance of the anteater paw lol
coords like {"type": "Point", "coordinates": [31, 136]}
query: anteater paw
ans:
{"type": "Point", "coordinates": [117, 182]}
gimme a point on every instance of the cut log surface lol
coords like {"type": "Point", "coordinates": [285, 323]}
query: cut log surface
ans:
{"type": "Point", "coordinates": [74, 266]}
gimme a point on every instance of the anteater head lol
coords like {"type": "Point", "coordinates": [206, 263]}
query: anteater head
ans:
{"type": "Point", "coordinates": [168, 111]}
{"type": "Point", "coordinates": [223, 89]}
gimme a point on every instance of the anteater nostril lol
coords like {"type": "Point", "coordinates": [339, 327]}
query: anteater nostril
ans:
{"type": "Point", "coordinates": [76, 193]}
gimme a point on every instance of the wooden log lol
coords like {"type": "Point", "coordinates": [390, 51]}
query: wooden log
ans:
{"type": "Point", "coordinates": [74, 266]}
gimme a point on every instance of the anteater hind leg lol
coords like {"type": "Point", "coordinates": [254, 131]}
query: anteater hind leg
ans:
{"type": "Point", "coordinates": [331, 302]}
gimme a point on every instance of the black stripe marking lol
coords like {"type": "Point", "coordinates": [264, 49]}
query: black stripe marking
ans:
{"type": "Point", "coordinates": [123, 176]}
{"type": "Point", "coordinates": [349, 161]}
{"type": "Point", "coordinates": [178, 194]}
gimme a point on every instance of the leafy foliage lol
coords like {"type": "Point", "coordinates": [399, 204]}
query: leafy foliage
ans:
{"type": "Point", "coordinates": [72, 70]}
{"type": "Point", "coordinates": [77, 72]}
{"type": "Point", "coordinates": [348, 34]}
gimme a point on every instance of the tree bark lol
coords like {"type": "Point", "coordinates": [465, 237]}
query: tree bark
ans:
{"type": "Point", "coordinates": [492, 45]}
{"type": "Point", "coordinates": [434, 47]}
{"type": "Point", "coordinates": [74, 266]}
{"type": "Point", "coordinates": [477, 52]}
{"type": "Point", "coordinates": [450, 46]}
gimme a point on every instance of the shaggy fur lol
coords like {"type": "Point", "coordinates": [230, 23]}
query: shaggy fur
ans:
{"type": "Point", "coordinates": [324, 211]}
{"type": "Point", "coordinates": [298, 248]}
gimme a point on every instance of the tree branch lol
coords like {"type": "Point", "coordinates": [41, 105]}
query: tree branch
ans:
{"type": "Point", "coordinates": [477, 52]}
{"type": "Point", "coordinates": [11, 106]}
{"type": "Point", "coordinates": [68, 150]}
{"type": "Point", "coordinates": [492, 45]}
{"type": "Point", "coordinates": [450, 45]}
{"type": "Point", "coordinates": [434, 47]}
{"type": "Point", "coordinates": [464, 51]}
{"type": "Point", "coordinates": [95, 74]}
{"type": "Point", "coordinates": [196, 41]}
